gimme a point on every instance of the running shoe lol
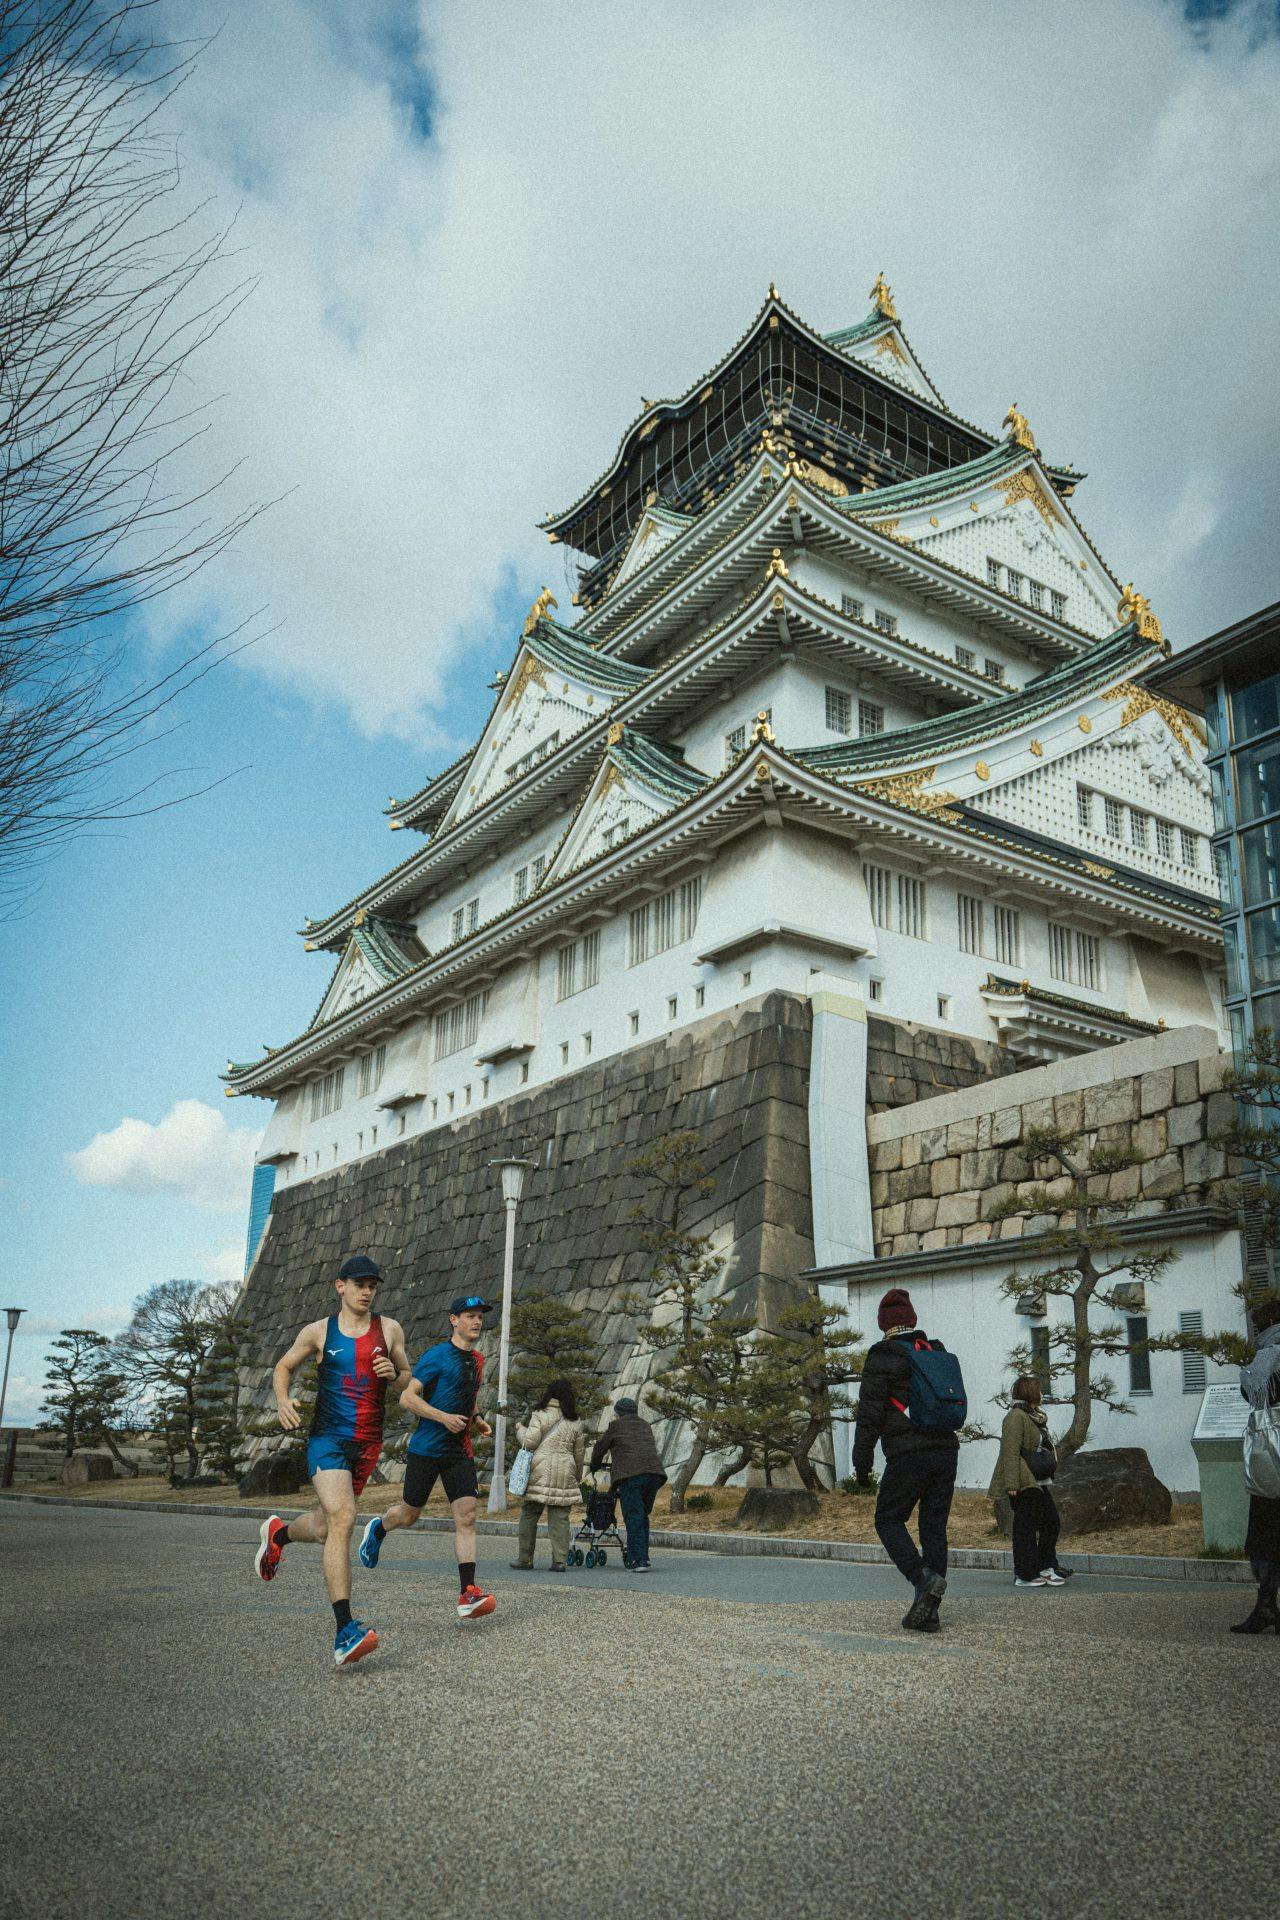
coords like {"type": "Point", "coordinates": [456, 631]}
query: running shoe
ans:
{"type": "Point", "coordinates": [472, 1602]}
{"type": "Point", "coordinates": [1052, 1578]}
{"type": "Point", "coordinates": [266, 1563]}
{"type": "Point", "coordinates": [1039, 1581]}
{"type": "Point", "coordinates": [352, 1642]}
{"type": "Point", "coordinates": [371, 1544]}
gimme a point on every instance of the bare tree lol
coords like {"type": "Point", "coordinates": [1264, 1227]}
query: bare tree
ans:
{"type": "Point", "coordinates": [165, 1354]}
{"type": "Point", "coordinates": [105, 294]}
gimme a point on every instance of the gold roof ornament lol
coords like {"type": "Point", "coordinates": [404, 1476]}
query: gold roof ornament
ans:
{"type": "Point", "coordinates": [762, 733]}
{"type": "Point", "coordinates": [1136, 607]}
{"type": "Point", "coordinates": [615, 733]}
{"type": "Point", "coordinates": [913, 790]}
{"type": "Point", "coordinates": [360, 917]}
{"type": "Point", "coordinates": [777, 565]}
{"type": "Point", "coordinates": [773, 290]}
{"type": "Point", "coordinates": [1019, 429]}
{"type": "Point", "coordinates": [881, 297]}
{"type": "Point", "coordinates": [538, 611]}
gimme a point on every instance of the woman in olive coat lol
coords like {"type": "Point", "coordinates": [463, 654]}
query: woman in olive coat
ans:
{"type": "Point", "coordinates": [1035, 1511]}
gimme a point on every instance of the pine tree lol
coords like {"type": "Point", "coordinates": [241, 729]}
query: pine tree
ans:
{"type": "Point", "coordinates": [817, 1356]}
{"type": "Point", "coordinates": [552, 1341]}
{"type": "Point", "coordinates": [81, 1387]}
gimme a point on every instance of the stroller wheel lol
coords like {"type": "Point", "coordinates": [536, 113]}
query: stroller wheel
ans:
{"type": "Point", "coordinates": [591, 1556]}
{"type": "Point", "coordinates": [601, 1556]}
{"type": "Point", "coordinates": [574, 1556]}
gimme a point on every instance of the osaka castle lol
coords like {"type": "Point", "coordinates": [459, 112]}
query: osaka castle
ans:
{"type": "Point", "coordinates": [847, 709]}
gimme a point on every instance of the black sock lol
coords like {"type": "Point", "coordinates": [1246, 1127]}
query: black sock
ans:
{"type": "Point", "coordinates": [342, 1614]}
{"type": "Point", "coordinates": [466, 1574]}
{"type": "Point", "coordinates": [280, 1538]}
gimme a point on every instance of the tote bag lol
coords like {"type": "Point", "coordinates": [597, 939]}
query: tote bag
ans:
{"type": "Point", "coordinates": [1262, 1452]}
{"type": "Point", "coordinates": [522, 1466]}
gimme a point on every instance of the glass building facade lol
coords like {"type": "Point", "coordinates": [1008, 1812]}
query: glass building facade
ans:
{"type": "Point", "coordinates": [1234, 680]}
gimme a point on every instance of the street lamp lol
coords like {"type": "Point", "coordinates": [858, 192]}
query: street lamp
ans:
{"type": "Point", "coordinates": [12, 1315]}
{"type": "Point", "coordinates": [513, 1177]}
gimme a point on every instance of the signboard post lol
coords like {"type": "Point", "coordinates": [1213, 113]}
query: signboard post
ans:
{"type": "Point", "coordinates": [1218, 1444]}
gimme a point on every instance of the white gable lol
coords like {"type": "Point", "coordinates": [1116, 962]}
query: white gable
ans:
{"type": "Point", "coordinates": [539, 711]}
{"type": "Point", "coordinates": [650, 537]}
{"type": "Point", "coordinates": [352, 982]}
{"type": "Point", "coordinates": [892, 359]}
{"type": "Point", "coordinates": [617, 806]}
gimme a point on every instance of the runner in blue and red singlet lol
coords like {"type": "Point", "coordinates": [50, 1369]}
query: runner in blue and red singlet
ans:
{"type": "Point", "coordinates": [358, 1354]}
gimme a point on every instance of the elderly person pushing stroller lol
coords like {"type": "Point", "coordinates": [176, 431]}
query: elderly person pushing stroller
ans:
{"type": "Point", "coordinates": [555, 1438]}
{"type": "Point", "coordinates": [635, 1474]}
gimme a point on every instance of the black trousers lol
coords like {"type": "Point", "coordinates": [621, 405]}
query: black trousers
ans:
{"type": "Point", "coordinates": [926, 1479]}
{"type": "Point", "coordinates": [1035, 1532]}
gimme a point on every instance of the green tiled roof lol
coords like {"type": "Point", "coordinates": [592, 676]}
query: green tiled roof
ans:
{"type": "Point", "coordinates": [390, 946]}
{"type": "Point", "coordinates": [936, 486]}
{"type": "Point", "coordinates": [994, 983]}
{"type": "Point", "coordinates": [862, 330]}
{"type": "Point", "coordinates": [560, 648]}
{"type": "Point", "coordinates": [656, 766]}
{"type": "Point", "coordinates": [1100, 667]}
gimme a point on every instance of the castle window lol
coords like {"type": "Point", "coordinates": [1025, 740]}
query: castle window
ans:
{"type": "Point", "coordinates": [965, 658]}
{"type": "Point", "coordinates": [1195, 1370]}
{"type": "Point", "coordinates": [524, 1073]}
{"type": "Point", "coordinates": [564, 1053]}
{"type": "Point", "coordinates": [1008, 936]}
{"type": "Point", "coordinates": [1037, 595]}
{"type": "Point", "coordinates": [886, 623]}
{"type": "Point", "coordinates": [839, 711]}
{"type": "Point", "coordinates": [1190, 848]}
{"type": "Point", "coordinates": [1135, 1328]}
{"type": "Point", "coordinates": [459, 1025]}
{"type": "Point", "coordinates": [1075, 957]}
{"type": "Point", "coordinates": [539, 868]}
{"type": "Point", "coordinates": [911, 906]}
{"type": "Point", "coordinates": [619, 830]}
{"type": "Point", "coordinates": [699, 996]}
{"type": "Point", "coordinates": [870, 717]}
{"type": "Point", "coordinates": [994, 670]}
{"type": "Point", "coordinates": [1057, 604]}
{"type": "Point", "coordinates": [734, 744]}
{"type": "Point", "coordinates": [944, 1006]}
{"type": "Point", "coordinates": [1015, 584]}
{"type": "Point", "coordinates": [326, 1093]}
{"type": "Point", "coordinates": [633, 1023]}
{"type": "Point", "coordinates": [994, 571]}
{"type": "Point", "coordinates": [578, 966]}
{"type": "Point", "coordinates": [465, 919]}
{"type": "Point", "coordinates": [665, 922]}
{"type": "Point", "coordinates": [586, 1044]}
{"type": "Point", "coordinates": [527, 761]}
{"type": "Point", "coordinates": [520, 885]}
{"type": "Point", "coordinates": [875, 989]}
{"type": "Point", "coordinates": [1113, 813]}
{"type": "Point", "coordinates": [1138, 825]}
{"type": "Point", "coordinates": [1164, 839]}
{"type": "Point", "coordinates": [971, 916]}
{"type": "Point", "coordinates": [371, 1066]}
{"type": "Point", "coordinates": [673, 1006]}
{"type": "Point", "coordinates": [851, 606]}
{"type": "Point", "coordinates": [1084, 806]}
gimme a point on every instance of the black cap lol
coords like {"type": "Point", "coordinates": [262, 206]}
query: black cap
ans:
{"type": "Point", "coordinates": [470, 1303]}
{"type": "Point", "coordinates": [358, 1267]}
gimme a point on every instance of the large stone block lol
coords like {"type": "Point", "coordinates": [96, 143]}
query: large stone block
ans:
{"type": "Point", "coordinates": [944, 1176]}
{"type": "Point", "coordinates": [1186, 1124]}
{"type": "Point", "coordinates": [1156, 1095]}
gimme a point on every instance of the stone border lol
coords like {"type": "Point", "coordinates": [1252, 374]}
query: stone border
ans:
{"type": "Point", "coordinates": [1146, 1566]}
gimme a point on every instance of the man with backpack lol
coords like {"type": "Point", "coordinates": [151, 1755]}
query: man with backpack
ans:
{"type": "Point", "coordinates": [912, 1401]}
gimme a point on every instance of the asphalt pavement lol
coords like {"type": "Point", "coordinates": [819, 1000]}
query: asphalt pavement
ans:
{"type": "Point", "coordinates": [731, 1737]}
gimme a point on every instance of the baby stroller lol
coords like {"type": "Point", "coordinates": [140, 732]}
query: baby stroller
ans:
{"type": "Point", "coordinates": [599, 1526]}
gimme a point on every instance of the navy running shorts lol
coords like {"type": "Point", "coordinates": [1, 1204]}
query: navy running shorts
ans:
{"type": "Point", "coordinates": [455, 1472]}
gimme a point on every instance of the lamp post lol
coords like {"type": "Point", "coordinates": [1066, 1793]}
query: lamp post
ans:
{"type": "Point", "coordinates": [12, 1315]}
{"type": "Point", "coordinates": [513, 1174]}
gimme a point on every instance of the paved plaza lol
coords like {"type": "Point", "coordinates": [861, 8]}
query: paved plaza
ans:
{"type": "Point", "coordinates": [726, 1737]}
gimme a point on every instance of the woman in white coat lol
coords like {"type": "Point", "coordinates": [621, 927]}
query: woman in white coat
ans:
{"type": "Point", "coordinates": [554, 1436]}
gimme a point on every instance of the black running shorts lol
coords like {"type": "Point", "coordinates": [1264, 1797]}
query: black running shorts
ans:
{"type": "Point", "coordinates": [456, 1474]}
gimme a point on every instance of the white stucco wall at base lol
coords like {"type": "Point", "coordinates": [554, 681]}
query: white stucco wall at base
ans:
{"type": "Point", "coordinates": [963, 1306]}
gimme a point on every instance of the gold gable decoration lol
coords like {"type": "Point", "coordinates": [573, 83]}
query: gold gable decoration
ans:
{"type": "Point", "coordinates": [888, 344]}
{"type": "Point", "coordinates": [1139, 700]}
{"type": "Point", "coordinates": [530, 669]}
{"type": "Point", "coordinates": [612, 778]}
{"type": "Point", "coordinates": [1027, 486]}
{"type": "Point", "coordinates": [1136, 608]}
{"type": "Point", "coordinates": [538, 611]}
{"type": "Point", "coordinates": [912, 791]}
{"type": "Point", "coordinates": [818, 477]}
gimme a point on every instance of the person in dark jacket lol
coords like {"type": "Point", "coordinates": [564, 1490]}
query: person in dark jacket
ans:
{"type": "Point", "coordinates": [635, 1474]}
{"type": "Point", "coordinates": [1260, 1385]}
{"type": "Point", "coordinates": [920, 1463]}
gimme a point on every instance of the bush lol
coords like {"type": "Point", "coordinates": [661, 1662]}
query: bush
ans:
{"type": "Point", "coordinates": [699, 1502]}
{"type": "Point", "coordinates": [851, 1484]}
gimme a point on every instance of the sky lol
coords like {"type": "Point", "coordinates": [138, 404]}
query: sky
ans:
{"type": "Point", "coordinates": [477, 236]}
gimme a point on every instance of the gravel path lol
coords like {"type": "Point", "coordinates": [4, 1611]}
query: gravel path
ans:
{"type": "Point", "coordinates": [720, 1738]}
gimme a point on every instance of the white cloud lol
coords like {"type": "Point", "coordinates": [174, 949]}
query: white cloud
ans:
{"type": "Point", "coordinates": [1074, 205]}
{"type": "Point", "coordinates": [191, 1154]}
{"type": "Point", "coordinates": [225, 1265]}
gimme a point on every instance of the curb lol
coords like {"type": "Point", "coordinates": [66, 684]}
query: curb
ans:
{"type": "Point", "coordinates": [1148, 1566]}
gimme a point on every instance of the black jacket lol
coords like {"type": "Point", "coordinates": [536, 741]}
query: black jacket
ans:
{"type": "Point", "coordinates": [886, 1377]}
{"type": "Point", "coordinates": [629, 1445]}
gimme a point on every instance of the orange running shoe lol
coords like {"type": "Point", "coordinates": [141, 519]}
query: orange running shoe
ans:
{"type": "Point", "coordinates": [473, 1601]}
{"type": "Point", "coordinates": [266, 1562]}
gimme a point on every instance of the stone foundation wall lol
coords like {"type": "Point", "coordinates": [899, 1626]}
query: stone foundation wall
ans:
{"type": "Point", "coordinates": [909, 1063]}
{"type": "Point", "coordinates": [937, 1183]}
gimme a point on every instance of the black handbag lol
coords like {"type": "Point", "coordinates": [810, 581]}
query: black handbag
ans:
{"type": "Point", "coordinates": [1042, 1461]}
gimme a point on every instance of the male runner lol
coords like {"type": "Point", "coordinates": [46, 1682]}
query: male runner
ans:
{"type": "Point", "coordinates": [443, 1394]}
{"type": "Point", "coordinates": [358, 1354]}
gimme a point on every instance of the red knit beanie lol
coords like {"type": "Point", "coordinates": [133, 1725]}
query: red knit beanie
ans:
{"type": "Point", "coordinates": [896, 1310]}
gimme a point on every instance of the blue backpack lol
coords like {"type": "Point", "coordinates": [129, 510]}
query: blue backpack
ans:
{"type": "Point", "coordinates": [936, 1398]}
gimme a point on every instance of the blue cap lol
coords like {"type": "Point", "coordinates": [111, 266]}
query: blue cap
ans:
{"type": "Point", "coordinates": [358, 1267]}
{"type": "Point", "coordinates": [470, 1303]}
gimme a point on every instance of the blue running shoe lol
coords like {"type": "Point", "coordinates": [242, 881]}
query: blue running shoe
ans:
{"type": "Point", "coordinates": [352, 1642]}
{"type": "Point", "coordinates": [371, 1545]}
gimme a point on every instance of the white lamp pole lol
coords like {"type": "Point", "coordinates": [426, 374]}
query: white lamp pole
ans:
{"type": "Point", "coordinates": [12, 1315]}
{"type": "Point", "coordinates": [513, 1177]}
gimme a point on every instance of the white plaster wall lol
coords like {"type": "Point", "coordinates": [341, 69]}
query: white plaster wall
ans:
{"type": "Point", "coordinates": [918, 621]}
{"type": "Point", "coordinates": [964, 1307]}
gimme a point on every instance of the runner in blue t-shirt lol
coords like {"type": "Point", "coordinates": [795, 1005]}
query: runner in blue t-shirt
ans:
{"type": "Point", "coordinates": [443, 1394]}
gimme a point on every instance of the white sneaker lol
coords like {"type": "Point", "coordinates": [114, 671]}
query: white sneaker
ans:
{"type": "Point", "coordinates": [1052, 1578]}
{"type": "Point", "coordinates": [1039, 1581]}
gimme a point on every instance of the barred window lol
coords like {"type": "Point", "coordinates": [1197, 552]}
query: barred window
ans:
{"type": "Point", "coordinates": [664, 923]}
{"type": "Point", "coordinates": [994, 670]}
{"type": "Point", "coordinates": [578, 966]}
{"type": "Point", "coordinates": [459, 1025]}
{"type": "Point", "coordinates": [1084, 806]}
{"type": "Point", "coordinates": [520, 884]}
{"type": "Point", "coordinates": [535, 755]}
{"type": "Point", "coordinates": [1138, 826]}
{"type": "Point", "coordinates": [326, 1093]}
{"type": "Point", "coordinates": [839, 711]}
{"type": "Point", "coordinates": [617, 832]}
{"type": "Point", "coordinates": [1113, 813]}
{"type": "Point", "coordinates": [911, 906]}
{"type": "Point", "coordinates": [1008, 936]}
{"type": "Point", "coordinates": [1075, 957]}
{"type": "Point", "coordinates": [994, 571]}
{"type": "Point", "coordinates": [1057, 604]}
{"type": "Point", "coordinates": [1164, 839]}
{"type": "Point", "coordinates": [465, 919]}
{"type": "Point", "coordinates": [539, 868]}
{"type": "Point", "coordinates": [1195, 1370]}
{"type": "Point", "coordinates": [370, 1072]}
{"type": "Point", "coordinates": [734, 744]}
{"type": "Point", "coordinates": [879, 894]}
{"type": "Point", "coordinates": [851, 606]}
{"type": "Point", "coordinates": [897, 901]}
{"type": "Point", "coordinates": [965, 658]}
{"type": "Point", "coordinates": [1014, 582]}
{"type": "Point", "coordinates": [1037, 594]}
{"type": "Point", "coordinates": [886, 622]}
{"type": "Point", "coordinates": [1190, 848]}
{"type": "Point", "coordinates": [971, 914]}
{"type": "Point", "coordinates": [870, 717]}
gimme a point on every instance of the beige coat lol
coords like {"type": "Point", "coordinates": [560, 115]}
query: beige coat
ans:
{"type": "Point", "coordinates": [557, 1446]}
